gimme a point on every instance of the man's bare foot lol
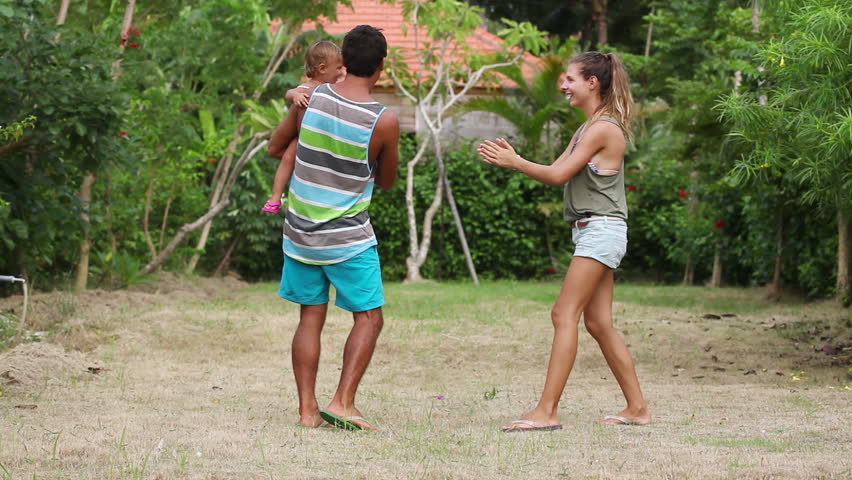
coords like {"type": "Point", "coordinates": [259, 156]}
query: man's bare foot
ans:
{"type": "Point", "coordinates": [311, 420]}
{"type": "Point", "coordinates": [352, 415]}
{"type": "Point", "coordinates": [534, 420]}
{"type": "Point", "coordinates": [641, 416]}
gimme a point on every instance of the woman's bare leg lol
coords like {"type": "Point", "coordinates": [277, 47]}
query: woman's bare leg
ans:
{"type": "Point", "coordinates": [581, 282]}
{"type": "Point", "coordinates": [598, 319]}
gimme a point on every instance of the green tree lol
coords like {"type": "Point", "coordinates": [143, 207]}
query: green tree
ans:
{"type": "Point", "coordinates": [804, 126]}
{"type": "Point", "coordinates": [68, 86]}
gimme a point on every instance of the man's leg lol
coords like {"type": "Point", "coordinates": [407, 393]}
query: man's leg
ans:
{"type": "Point", "coordinates": [306, 355]}
{"type": "Point", "coordinates": [356, 358]}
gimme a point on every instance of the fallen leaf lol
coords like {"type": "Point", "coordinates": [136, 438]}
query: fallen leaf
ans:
{"type": "Point", "coordinates": [711, 316]}
{"type": "Point", "coordinates": [751, 372]}
{"type": "Point", "coordinates": [829, 349]}
{"type": "Point", "coordinates": [27, 406]}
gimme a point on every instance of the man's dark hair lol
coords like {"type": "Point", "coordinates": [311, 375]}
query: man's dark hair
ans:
{"type": "Point", "coordinates": [364, 48]}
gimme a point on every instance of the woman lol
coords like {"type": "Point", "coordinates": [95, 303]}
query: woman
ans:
{"type": "Point", "coordinates": [592, 170]}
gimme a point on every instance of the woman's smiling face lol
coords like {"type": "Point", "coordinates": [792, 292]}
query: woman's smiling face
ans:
{"type": "Point", "coordinates": [574, 86]}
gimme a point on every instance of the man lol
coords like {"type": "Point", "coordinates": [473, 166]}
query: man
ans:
{"type": "Point", "coordinates": [347, 143]}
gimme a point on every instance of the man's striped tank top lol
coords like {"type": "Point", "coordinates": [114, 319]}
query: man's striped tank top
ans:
{"type": "Point", "coordinates": [332, 184]}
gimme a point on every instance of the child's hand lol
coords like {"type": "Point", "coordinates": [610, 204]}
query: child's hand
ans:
{"type": "Point", "coordinates": [499, 152]}
{"type": "Point", "coordinates": [302, 99]}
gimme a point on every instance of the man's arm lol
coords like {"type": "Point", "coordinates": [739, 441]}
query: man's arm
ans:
{"type": "Point", "coordinates": [286, 131]}
{"type": "Point", "coordinates": [387, 161]}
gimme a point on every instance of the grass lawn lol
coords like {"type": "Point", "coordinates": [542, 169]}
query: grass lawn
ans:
{"type": "Point", "coordinates": [195, 382]}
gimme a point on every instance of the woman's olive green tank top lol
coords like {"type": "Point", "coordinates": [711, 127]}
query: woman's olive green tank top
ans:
{"type": "Point", "coordinates": [590, 193]}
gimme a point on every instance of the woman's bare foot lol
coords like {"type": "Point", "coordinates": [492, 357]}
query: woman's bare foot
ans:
{"type": "Point", "coordinates": [628, 416]}
{"type": "Point", "coordinates": [537, 418]}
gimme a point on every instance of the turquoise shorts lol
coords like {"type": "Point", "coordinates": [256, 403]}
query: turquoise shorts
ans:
{"type": "Point", "coordinates": [358, 282]}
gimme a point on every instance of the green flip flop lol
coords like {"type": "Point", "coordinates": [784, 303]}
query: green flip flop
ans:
{"type": "Point", "coordinates": [345, 423]}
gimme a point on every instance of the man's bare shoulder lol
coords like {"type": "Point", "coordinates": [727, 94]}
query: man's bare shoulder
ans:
{"type": "Point", "coordinates": [389, 121]}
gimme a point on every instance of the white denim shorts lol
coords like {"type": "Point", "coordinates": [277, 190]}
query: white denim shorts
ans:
{"type": "Point", "coordinates": [601, 238]}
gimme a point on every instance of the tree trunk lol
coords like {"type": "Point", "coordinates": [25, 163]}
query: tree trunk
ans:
{"type": "Point", "coordinates": [63, 12]}
{"type": "Point", "coordinates": [129, 10]}
{"type": "Point", "coordinates": [149, 196]}
{"type": "Point", "coordinates": [456, 217]}
{"type": "Point", "coordinates": [166, 216]}
{"type": "Point", "coordinates": [844, 242]}
{"type": "Point", "coordinates": [85, 244]}
{"type": "Point", "coordinates": [689, 271]}
{"type": "Point", "coordinates": [60, 19]}
{"type": "Point", "coordinates": [226, 259]}
{"type": "Point", "coordinates": [775, 288]}
{"type": "Point", "coordinates": [650, 34]}
{"type": "Point", "coordinates": [599, 15]}
{"type": "Point", "coordinates": [419, 248]}
{"type": "Point", "coordinates": [716, 279]}
{"type": "Point", "coordinates": [755, 16]}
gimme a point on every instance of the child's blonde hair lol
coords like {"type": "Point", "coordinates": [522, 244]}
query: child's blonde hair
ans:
{"type": "Point", "coordinates": [615, 87]}
{"type": "Point", "coordinates": [320, 52]}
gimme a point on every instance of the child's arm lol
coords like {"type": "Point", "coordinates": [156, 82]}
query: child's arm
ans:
{"type": "Point", "coordinates": [282, 178]}
{"type": "Point", "coordinates": [299, 95]}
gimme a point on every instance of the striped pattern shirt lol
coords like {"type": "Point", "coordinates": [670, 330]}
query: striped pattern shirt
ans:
{"type": "Point", "coordinates": [327, 220]}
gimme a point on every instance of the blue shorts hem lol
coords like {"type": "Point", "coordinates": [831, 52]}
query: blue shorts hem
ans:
{"type": "Point", "coordinates": [360, 308]}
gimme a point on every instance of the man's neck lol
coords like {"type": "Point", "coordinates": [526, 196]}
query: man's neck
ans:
{"type": "Point", "coordinates": [356, 88]}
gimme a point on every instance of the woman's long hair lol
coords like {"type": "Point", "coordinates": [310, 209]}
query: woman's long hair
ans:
{"type": "Point", "coordinates": [615, 87]}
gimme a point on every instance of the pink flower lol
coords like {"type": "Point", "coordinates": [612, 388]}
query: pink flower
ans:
{"type": "Point", "coordinates": [682, 193]}
{"type": "Point", "coordinates": [720, 223]}
{"type": "Point", "coordinates": [632, 188]}
{"type": "Point", "coordinates": [440, 397]}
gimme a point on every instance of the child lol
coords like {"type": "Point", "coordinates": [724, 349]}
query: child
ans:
{"type": "Point", "coordinates": [592, 170]}
{"type": "Point", "coordinates": [323, 64]}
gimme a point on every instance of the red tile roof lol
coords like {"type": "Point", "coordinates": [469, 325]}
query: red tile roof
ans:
{"type": "Point", "coordinates": [389, 18]}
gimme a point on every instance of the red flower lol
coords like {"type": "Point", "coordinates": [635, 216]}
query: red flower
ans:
{"type": "Point", "coordinates": [720, 223]}
{"type": "Point", "coordinates": [123, 133]}
{"type": "Point", "coordinates": [134, 45]}
{"type": "Point", "coordinates": [682, 193]}
{"type": "Point", "coordinates": [212, 160]}
{"type": "Point", "coordinates": [551, 270]}
{"type": "Point", "coordinates": [134, 31]}
{"type": "Point", "coordinates": [632, 188]}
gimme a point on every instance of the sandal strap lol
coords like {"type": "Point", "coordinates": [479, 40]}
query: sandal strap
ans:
{"type": "Point", "coordinates": [530, 423]}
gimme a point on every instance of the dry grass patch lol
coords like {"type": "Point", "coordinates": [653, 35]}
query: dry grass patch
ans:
{"type": "Point", "coordinates": [197, 384]}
